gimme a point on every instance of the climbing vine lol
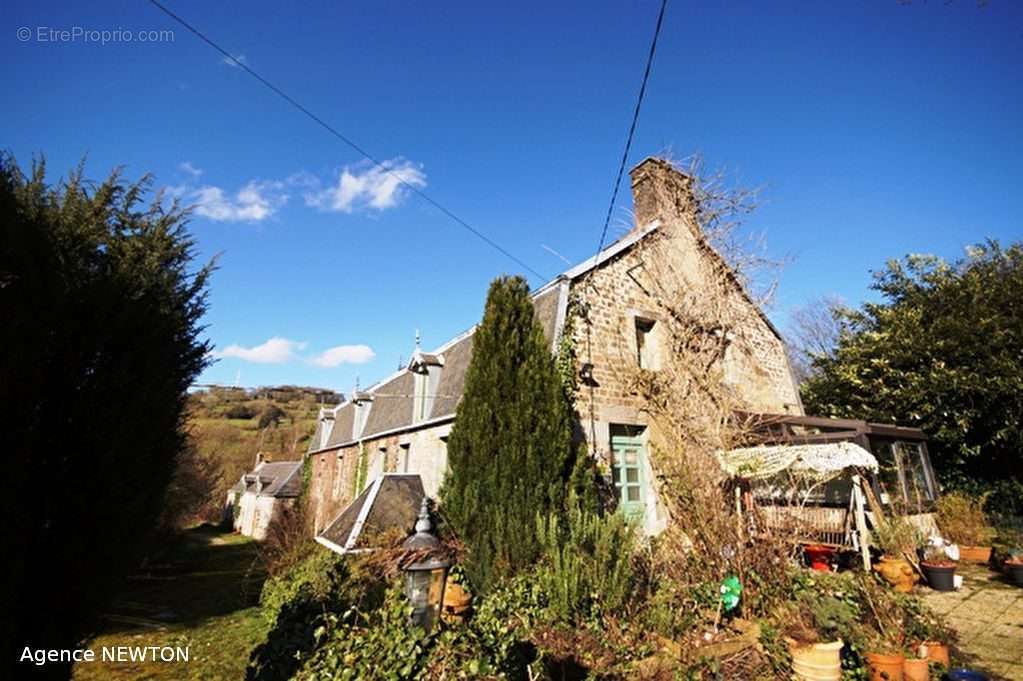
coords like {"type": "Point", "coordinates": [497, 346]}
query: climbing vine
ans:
{"type": "Point", "coordinates": [566, 354]}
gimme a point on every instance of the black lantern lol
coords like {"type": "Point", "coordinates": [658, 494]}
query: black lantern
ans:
{"type": "Point", "coordinates": [425, 579]}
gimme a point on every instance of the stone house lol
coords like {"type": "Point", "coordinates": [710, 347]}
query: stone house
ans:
{"type": "Point", "coordinates": [401, 424]}
{"type": "Point", "coordinates": [260, 495]}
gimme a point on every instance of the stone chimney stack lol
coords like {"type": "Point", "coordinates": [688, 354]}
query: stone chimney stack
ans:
{"type": "Point", "coordinates": [659, 192]}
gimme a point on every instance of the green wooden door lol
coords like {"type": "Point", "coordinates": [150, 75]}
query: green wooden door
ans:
{"type": "Point", "coordinates": [627, 471]}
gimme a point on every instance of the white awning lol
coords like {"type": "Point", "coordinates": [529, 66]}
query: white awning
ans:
{"type": "Point", "coordinates": [820, 461]}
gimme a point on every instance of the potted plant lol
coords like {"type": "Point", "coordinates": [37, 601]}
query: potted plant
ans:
{"type": "Point", "coordinates": [933, 636]}
{"type": "Point", "coordinates": [813, 633]}
{"type": "Point", "coordinates": [938, 569]}
{"type": "Point", "coordinates": [1014, 566]}
{"type": "Point", "coordinates": [916, 669]}
{"type": "Point", "coordinates": [897, 538]}
{"type": "Point", "coordinates": [962, 520]}
{"type": "Point", "coordinates": [885, 660]}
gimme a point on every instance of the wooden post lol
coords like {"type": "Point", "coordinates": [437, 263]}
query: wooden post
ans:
{"type": "Point", "coordinates": [738, 509]}
{"type": "Point", "coordinates": [861, 521]}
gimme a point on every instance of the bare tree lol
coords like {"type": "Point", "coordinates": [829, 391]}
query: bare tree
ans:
{"type": "Point", "coordinates": [813, 332]}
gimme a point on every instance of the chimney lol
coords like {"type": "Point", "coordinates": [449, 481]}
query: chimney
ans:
{"type": "Point", "coordinates": [659, 192]}
{"type": "Point", "coordinates": [259, 458]}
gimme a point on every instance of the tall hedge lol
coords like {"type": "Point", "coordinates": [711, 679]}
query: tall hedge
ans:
{"type": "Point", "coordinates": [510, 451]}
{"type": "Point", "coordinates": [100, 309]}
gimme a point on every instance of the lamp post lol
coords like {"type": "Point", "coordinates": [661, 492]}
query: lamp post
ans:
{"type": "Point", "coordinates": [425, 578]}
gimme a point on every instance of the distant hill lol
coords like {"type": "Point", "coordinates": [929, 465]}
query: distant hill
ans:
{"type": "Point", "coordinates": [231, 425]}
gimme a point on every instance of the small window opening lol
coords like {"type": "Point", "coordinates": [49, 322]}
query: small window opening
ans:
{"type": "Point", "coordinates": [645, 344]}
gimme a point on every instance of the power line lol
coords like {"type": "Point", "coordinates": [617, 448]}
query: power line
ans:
{"type": "Point", "coordinates": [329, 128]}
{"type": "Point", "coordinates": [632, 128]}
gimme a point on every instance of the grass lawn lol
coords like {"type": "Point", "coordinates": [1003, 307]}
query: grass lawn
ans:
{"type": "Point", "coordinates": [202, 594]}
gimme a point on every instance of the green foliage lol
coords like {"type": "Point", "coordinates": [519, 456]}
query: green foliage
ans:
{"type": "Point", "coordinates": [962, 520]}
{"type": "Point", "coordinates": [239, 411]}
{"type": "Point", "coordinates": [361, 471]}
{"type": "Point", "coordinates": [375, 644]}
{"type": "Point", "coordinates": [101, 304]}
{"type": "Point", "coordinates": [296, 604]}
{"type": "Point", "coordinates": [587, 563]}
{"type": "Point", "coordinates": [941, 353]}
{"type": "Point", "coordinates": [510, 451]}
{"type": "Point", "coordinates": [271, 416]}
{"type": "Point", "coordinates": [896, 536]}
{"type": "Point", "coordinates": [376, 641]}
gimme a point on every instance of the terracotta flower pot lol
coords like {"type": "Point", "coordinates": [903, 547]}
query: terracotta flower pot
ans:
{"type": "Point", "coordinates": [457, 602]}
{"type": "Point", "coordinates": [915, 669]}
{"type": "Point", "coordinates": [816, 661]}
{"type": "Point", "coordinates": [975, 554]}
{"type": "Point", "coordinates": [936, 651]}
{"type": "Point", "coordinates": [885, 667]}
{"type": "Point", "coordinates": [897, 572]}
{"type": "Point", "coordinates": [820, 557]}
{"type": "Point", "coordinates": [940, 575]}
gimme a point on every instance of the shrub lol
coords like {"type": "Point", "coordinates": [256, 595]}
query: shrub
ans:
{"type": "Point", "coordinates": [271, 416]}
{"type": "Point", "coordinates": [239, 411]}
{"type": "Point", "coordinates": [962, 520]}
{"type": "Point", "coordinates": [895, 536]}
{"type": "Point", "coordinates": [586, 568]}
{"type": "Point", "coordinates": [510, 451]}
{"type": "Point", "coordinates": [101, 303]}
{"type": "Point", "coordinates": [296, 605]}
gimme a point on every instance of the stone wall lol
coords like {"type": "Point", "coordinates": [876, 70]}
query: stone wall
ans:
{"type": "Point", "coordinates": [335, 472]}
{"type": "Point", "coordinates": [255, 512]}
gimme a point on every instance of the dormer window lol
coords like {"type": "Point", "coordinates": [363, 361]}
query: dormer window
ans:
{"type": "Point", "coordinates": [363, 402]}
{"type": "Point", "coordinates": [426, 370]}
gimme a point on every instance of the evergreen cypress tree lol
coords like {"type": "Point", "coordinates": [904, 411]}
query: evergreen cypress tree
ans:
{"type": "Point", "coordinates": [510, 451]}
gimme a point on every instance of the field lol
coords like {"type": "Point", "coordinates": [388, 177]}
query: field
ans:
{"type": "Point", "coordinates": [203, 594]}
{"type": "Point", "coordinates": [231, 426]}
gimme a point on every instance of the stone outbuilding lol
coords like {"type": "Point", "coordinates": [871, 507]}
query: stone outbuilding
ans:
{"type": "Point", "coordinates": [261, 494]}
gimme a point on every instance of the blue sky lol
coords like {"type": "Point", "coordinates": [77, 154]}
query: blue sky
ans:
{"type": "Point", "coordinates": [877, 129]}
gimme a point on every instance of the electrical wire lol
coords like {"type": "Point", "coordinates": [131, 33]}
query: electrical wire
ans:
{"type": "Point", "coordinates": [348, 141]}
{"type": "Point", "coordinates": [632, 127]}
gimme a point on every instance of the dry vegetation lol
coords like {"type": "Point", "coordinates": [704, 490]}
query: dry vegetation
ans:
{"type": "Point", "coordinates": [230, 426]}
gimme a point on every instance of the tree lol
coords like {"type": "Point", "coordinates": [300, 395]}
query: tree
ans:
{"type": "Point", "coordinates": [100, 340]}
{"type": "Point", "coordinates": [510, 452]}
{"type": "Point", "coordinates": [942, 352]}
{"type": "Point", "coordinates": [814, 330]}
{"type": "Point", "coordinates": [271, 416]}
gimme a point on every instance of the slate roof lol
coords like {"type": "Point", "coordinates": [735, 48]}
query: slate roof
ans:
{"type": "Point", "coordinates": [391, 501]}
{"type": "Point", "coordinates": [392, 405]}
{"type": "Point", "coordinates": [452, 377]}
{"type": "Point", "coordinates": [282, 479]}
{"type": "Point", "coordinates": [344, 420]}
{"type": "Point", "coordinates": [391, 409]}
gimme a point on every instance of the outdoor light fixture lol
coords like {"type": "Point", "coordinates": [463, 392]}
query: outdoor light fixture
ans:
{"type": "Point", "coordinates": [425, 578]}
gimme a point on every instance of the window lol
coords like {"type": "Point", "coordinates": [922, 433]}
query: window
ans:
{"type": "Point", "coordinates": [627, 464]}
{"type": "Point", "coordinates": [903, 476]}
{"type": "Point", "coordinates": [406, 449]}
{"type": "Point", "coordinates": [645, 344]}
{"type": "Point", "coordinates": [338, 468]}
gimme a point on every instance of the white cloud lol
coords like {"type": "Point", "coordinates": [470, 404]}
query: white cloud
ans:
{"type": "Point", "coordinates": [275, 351]}
{"type": "Point", "coordinates": [343, 354]}
{"type": "Point", "coordinates": [369, 186]}
{"type": "Point", "coordinates": [233, 63]}
{"type": "Point", "coordinates": [191, 170]}
{"type": "Point", "coordinates": [255, 201]}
